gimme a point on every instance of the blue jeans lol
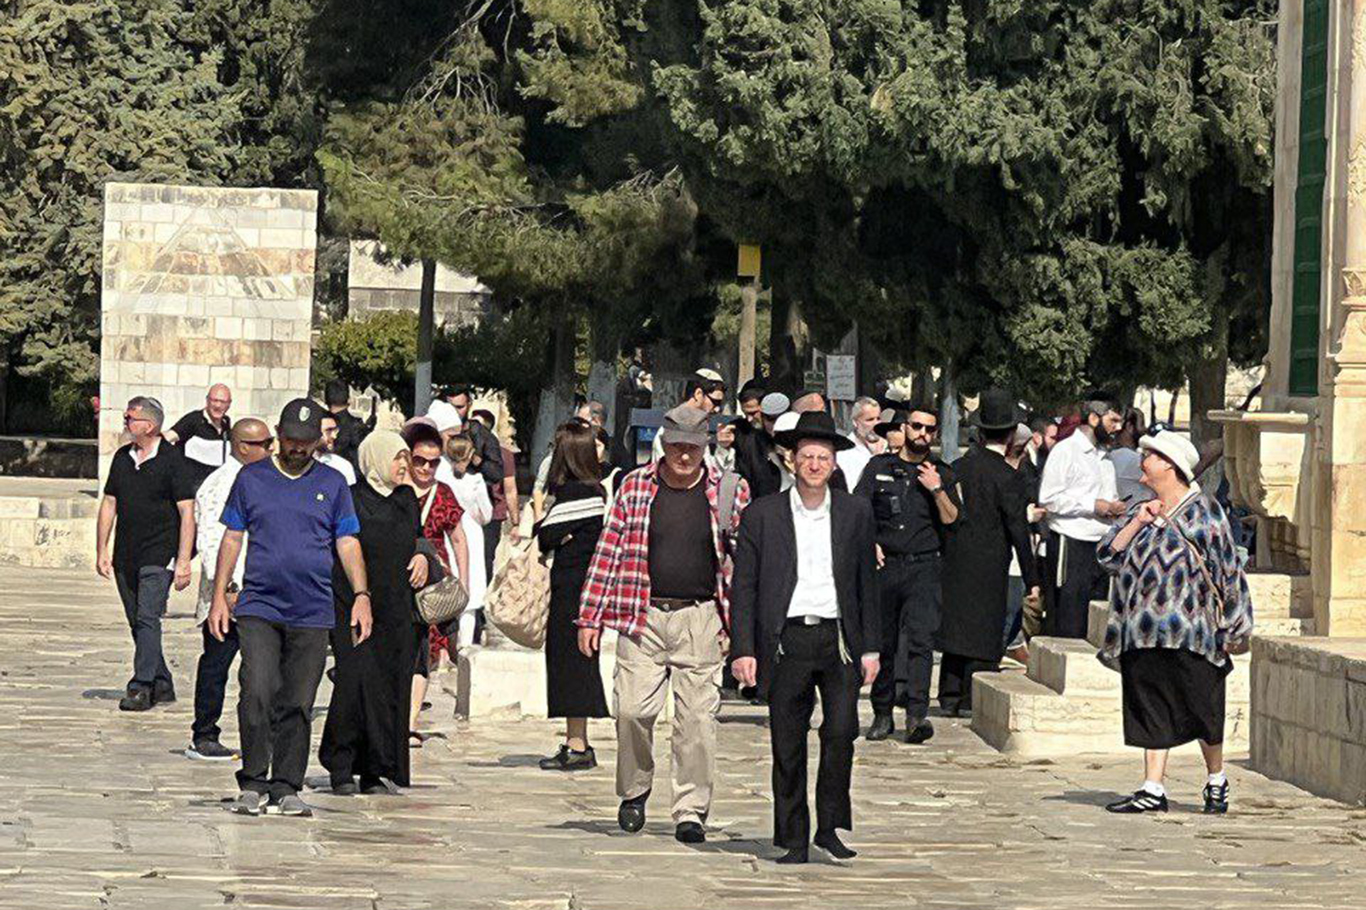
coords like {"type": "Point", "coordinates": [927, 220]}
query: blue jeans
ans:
{"type": "Point", "coordinates": [144, 592]}
{"type": "Point", "coordinates": [1015, 595]}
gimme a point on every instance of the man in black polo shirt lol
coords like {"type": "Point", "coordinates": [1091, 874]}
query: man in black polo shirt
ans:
{"type": "Point", "coordinates": [913, 502]}
{"type": "Point", "coordinates": [351, 430]}
{"type": "Point", "coordinates": [150, 494]}
{"type": "Point", "coordinates": [203, 435]}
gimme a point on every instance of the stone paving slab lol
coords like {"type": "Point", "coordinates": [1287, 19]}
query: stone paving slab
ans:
{"type": "Point", "coordinates": [98, 810]}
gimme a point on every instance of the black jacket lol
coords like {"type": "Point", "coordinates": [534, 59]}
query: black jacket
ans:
{"type": "Point", "coordinates": [766, 575]}
{"type": "Point", "coordinates": [490, 451]}
{"type": "Point", "coordinates": [991, 522]}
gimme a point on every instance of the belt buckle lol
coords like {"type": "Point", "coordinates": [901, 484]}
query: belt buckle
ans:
{"type": "Point", "coordinates": [809, 620]}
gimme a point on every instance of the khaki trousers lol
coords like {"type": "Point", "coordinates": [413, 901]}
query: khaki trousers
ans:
{"type": "Point", "coordinates": [682, 647]}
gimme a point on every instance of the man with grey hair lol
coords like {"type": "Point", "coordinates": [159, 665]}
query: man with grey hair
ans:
{"type": "Point", "coordinates": [864, 418]}
{"type": "Point", "coordinates": [149, 495]}
{"type": "Point", "coordinates": [1078, 491]}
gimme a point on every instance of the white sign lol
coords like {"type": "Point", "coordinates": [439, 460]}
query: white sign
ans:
{"type": "Point", "coordinates": [841, 377]}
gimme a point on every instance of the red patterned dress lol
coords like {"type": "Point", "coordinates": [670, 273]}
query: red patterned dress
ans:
{"type": "Point", "coordinates": [442, 519]}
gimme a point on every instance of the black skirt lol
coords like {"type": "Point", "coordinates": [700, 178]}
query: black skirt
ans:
{"type": "Point", "coordinates": [1171, 697]}
{"type": "Point", "coordinates": [573, 682]}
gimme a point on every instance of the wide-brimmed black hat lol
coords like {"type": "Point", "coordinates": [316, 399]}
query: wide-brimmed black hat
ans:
{"type": "Point", "coordinates": [996, 410]}
{"type": "Point", "coordinates": [894, 420]}
{"type": "Point", "coordinates": [814, 425]}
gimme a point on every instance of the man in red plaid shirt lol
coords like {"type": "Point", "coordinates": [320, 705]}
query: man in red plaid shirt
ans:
{"type": "Point", "coordinates": [661, 577]}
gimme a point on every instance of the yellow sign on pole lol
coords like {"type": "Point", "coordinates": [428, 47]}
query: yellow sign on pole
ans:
{"type": "Point", "coordinates": [748, 266]}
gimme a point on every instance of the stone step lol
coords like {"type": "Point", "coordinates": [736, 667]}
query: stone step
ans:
{"type": "Point", "coordinates": [1018, 715]}
{"type": "Point", "coordinates": [1068, 666]}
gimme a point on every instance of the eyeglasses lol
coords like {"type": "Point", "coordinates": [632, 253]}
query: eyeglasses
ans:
{"type": "Point", "coordinates": [420, 462]}
{"type": "Point", "coordinates": [815, 458]}
{"type": "Point", "coordinates": [1158, 427]}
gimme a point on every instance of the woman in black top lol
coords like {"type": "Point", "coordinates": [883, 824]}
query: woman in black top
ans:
{"type": "Point", "coordinates": [366, 733]}
{"type": "Point", "coordinates": [570, 531]}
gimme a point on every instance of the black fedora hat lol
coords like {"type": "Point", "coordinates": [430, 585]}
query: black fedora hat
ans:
{"type": "Point", "coordinates": [814, 425]}
{"type": "Point", "coordinates": [996, 410]}
{"type": "Point", "coordinates": [895, 421]}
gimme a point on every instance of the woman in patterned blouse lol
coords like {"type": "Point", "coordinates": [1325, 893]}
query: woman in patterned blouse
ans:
{"type": "Point", "coordinates": [1179, 607]}
{"type": "Point", "coordinates": [441, 525]}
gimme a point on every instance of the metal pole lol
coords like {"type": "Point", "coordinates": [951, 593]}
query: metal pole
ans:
{"type": "Point", "coordinates": [426, 320]}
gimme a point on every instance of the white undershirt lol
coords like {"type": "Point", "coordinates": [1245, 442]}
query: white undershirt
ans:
{"type": "Point", "coordinates": [815, 591]}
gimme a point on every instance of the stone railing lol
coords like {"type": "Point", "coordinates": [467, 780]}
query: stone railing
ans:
{"type": "Point", "coordinates": [1268, 461]}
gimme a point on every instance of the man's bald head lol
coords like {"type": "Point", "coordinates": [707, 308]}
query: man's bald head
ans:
{"type": "Point", "coordinates": [251, 440]}
{"type": "Point", "coordinates": [811, 401]}
{"type": "Point", "coordinates": [217, 401]}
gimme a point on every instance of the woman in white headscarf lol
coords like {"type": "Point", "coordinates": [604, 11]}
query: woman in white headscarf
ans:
{"type": "Point", "coordinates": [366, 734]}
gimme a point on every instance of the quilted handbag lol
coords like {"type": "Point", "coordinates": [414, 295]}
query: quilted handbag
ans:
{"type": "Point", "coordinates": [438, 604]}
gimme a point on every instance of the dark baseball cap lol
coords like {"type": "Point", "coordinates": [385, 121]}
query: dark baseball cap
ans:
{"type": "Point", "coordinates": [301, 420]}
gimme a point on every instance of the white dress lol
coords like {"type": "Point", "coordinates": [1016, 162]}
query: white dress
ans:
{"type": "Point", "coordinates": [473, 495]}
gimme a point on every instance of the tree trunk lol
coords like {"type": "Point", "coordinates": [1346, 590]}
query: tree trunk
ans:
{"type": "Point", "coordinates": [426, 326]}
{"type": "Point", "coordinates": [602, 372]}
{"type": "Point", "coordinates": [749, 308]}
{"type": "Point", "coordinates": [948, 415]}
{"type": "Point", "coordinates": [557, 398]}
{"type": "Point", "coordinates": [1208, 380]}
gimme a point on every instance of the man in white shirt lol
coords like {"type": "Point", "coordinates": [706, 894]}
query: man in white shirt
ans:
{"type": "Point", "coordinates": [327, 450]}
{"type": "Point", "coordinates": [866, 443]}
{"type": "Point", "coordinates": [250, 442]}
{"type": "Point", "coordinates": [1078, 490]}
{"type": "Point", "coordinates": [805, 588]}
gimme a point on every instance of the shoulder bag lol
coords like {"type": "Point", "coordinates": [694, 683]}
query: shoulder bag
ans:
{"type": "Point", "coordinates": [439, 603]}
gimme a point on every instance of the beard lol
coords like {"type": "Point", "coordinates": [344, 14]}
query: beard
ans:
{"type": "Point", "coordinates": [918, 447]}
{"type": "Point", "coordinates": [295, 462]}
{"type": "Point", "coordinates": [1103, 436]}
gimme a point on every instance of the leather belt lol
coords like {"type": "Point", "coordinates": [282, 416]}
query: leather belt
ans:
{"type": "Point", "coordinates": [809, 620]}
{"type": "Point", "coordinates": [910, 557]}
{"type": "Point", "coordinates": [671, 604]}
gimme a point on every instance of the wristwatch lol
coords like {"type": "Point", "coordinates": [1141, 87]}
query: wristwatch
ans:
{"type": "Point", "coordinates": [362, 594]}
{"type": "Point", "coordinates": [937, 490]}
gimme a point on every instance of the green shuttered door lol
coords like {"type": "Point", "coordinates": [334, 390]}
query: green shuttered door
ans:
{"type": "Point", "coordinates": [1305, 302]}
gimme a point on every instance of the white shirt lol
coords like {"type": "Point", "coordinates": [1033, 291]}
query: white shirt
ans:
{"type": "Point", "coordinates": [209, 530]}
{"type": "Point", "coordinates": [473, 495]}
{"type": "Point", "coordinates": [1074, 477]}
{"type": "Point", "coordinates": [340, 465]}
{"type": "Point", "coordinates": [815, 591]}
{"type": "Point", "coordinates": [1129, 475]}
{"type": "Point", "coordinates": [853, 461]}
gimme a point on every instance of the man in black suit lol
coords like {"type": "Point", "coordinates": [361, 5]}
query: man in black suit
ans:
{"type": "Point", "coordinates": [805, 619]}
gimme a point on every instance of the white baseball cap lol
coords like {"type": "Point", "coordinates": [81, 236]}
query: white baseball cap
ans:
{"type": "Point", "coordinates": [1174, 447]}
{"type": "Point", "coordinates": [444, 415]}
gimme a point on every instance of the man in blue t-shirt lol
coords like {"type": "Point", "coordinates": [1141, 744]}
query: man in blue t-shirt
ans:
{"type": "Point", "coordinates": [294, 512]}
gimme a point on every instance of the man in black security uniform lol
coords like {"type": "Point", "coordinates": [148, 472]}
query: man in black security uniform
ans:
{"type": "Point", "coordinates": [913, 503]}
{"type": "Point", "coordinates": [203, 436]}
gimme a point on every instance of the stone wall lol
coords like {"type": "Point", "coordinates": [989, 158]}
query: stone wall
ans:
{"type": "Point", "coordinates": [204, 285]}
{"type": "Point", "coordinates": [1309, 714]}
{"type": "Point", "coordinates": [374, 283]}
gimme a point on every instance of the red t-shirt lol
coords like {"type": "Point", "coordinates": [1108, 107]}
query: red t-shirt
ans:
{"type": "Point", "coordinates": [442, 519]}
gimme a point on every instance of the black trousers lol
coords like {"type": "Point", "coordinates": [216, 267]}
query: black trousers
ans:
{"type": "Point", "coordinates": [911, 598]}
{"type": "Point", "coordinates": [279, 676]}
{"type": "Point", "coordinates": [955, 680]}
{"type": "Point", "coordinates": [144, 592]}
{"type": "Point", "coordinates": [810, 662]}
{"type": "Point", "coordinates": [493, 534]}
{"type": "Point", "coordinates": [1067, 602]}
{"type": "Point", "coordinates": [211, 683]}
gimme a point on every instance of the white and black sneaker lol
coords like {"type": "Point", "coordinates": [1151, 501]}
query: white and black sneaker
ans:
{"type": "Point", "coordinates": [1142, 801]}
{"type": "Point", "coordinates": [1216, 798]}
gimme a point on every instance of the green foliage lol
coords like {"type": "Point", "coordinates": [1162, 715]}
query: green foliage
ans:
{"type": "Point", "coordinates": [377, 352]}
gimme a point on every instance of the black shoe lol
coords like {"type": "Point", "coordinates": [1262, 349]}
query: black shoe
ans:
{"type": "Point", "coordinates": [881, 727]}
{"type": "Point", "coordinates": [211, 750]}
{"type": "Point", "coordinates": [1142, 801]}
{"type": "Point", "coordinates": [568, 759]}
{"type": "Point", "coordinates": [922, 732]}
{"type": "Point", "coordinates": [830, 842]}
{"type": "Point", "coordinates": [345, 788]}
{"type": "Point", "coordinates": [137, 700]}
{"type": "Point", "coordinates": [631, 815]}
{"type": "Point", "coordinates": [1216, 798]}
{"type": "Point", "coordinates": [690, 833]}
{"type": "Point", "coordinates": [163, 694]}
{"type": "Point", "coordinates": [793, 857]}
{"type": "Point", "coordinates": [376, 787]}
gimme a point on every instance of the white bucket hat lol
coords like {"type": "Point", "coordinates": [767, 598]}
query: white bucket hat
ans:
{"type": "Point", "coordinates": [444, 415]}
{"type": "Point", "coordinates": [1175, 448]}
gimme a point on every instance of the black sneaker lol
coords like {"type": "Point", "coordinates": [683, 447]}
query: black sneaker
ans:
{"type": "Point", "coordinates": [211, 750]}
{"type": "Point", "coordinates": [922, 732]}
{"type": "Point", "coordinates": [1142, 801]}
{"type": "Point", "coordinates": [1216, 798]}
{"type": "Point", "coordinates": [568, 759]}
{"type": "Point", "coordinates": [137, 700]}
{"type": "Point", "coordinates": [881, 728]}
{"type": "Point", "coordinates": [690, 833]}
{"type": "Point", "coordinates": [163, 694]}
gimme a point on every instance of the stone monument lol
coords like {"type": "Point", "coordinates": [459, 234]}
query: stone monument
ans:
{"type": "Point", "coordinates": [204, 285]}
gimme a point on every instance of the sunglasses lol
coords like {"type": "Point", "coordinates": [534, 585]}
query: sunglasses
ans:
{"type": "Point", "coordinates": [420, 462]}
{"type": "Point", "coordinates": [263, 443]}
{"type": "Point", "coordinates": [918, 426]}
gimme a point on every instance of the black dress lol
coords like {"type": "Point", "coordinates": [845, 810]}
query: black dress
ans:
{"type": "Point", "coordinates": [573, 682]}
{"type": "Point", "coordinates": [366, 733]}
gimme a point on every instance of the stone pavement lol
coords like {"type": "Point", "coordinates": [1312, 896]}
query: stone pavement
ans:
{"type": "Point", "coordinates": [98, 810]}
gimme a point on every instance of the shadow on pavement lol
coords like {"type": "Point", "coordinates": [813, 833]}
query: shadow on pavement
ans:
{"type": "Point", "coordinates": [510, 761]}
{"type": "Point", "coordinates": [1098, 798]}
{"type": "Point", "coordinates": [105, 694]}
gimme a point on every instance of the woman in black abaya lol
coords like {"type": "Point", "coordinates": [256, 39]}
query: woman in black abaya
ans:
{"type": "Point", "coordinates": [366, 734]}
